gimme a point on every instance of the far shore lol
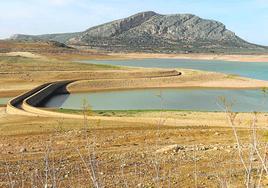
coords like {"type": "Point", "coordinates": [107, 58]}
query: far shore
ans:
{"type": "Point", "coordinates": [101, 78]}
{"type": "Point", "coordinates": [188, 79]}
{"type": "Point", "coordinates": [191, 56]}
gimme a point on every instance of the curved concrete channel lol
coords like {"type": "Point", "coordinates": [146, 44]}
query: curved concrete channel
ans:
{"type": "Point", "coordinates": [26, 103]}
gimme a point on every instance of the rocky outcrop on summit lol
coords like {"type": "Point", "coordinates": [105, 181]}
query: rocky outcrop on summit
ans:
{"type": "Point", "coordinates": [179, 27]}
{"type": "Point", "coordinates": [118, 27]}
{"type": "Point", "coordinates": [156, 32]}
{"type": "Point", "coordinates": [152, 32]}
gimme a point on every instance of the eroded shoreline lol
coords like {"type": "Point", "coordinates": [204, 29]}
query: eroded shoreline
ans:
{"type": "Point", "coordinates": [188, 79]}
{"type": "Point", "coordinates": [221, 57]}
{"type": "Point", "coordinates": [151, 79]}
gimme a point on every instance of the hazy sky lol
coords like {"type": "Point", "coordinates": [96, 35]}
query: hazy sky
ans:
{"type": "Point", "coordinates": [247, 18]}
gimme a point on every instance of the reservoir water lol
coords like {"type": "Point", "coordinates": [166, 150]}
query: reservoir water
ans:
{"type": "Point", "coordinates": [247, 69]}
{"type": "Point", "coordinates": [175, 99]}
{"type": "Point", "coordinates": [168, 99]}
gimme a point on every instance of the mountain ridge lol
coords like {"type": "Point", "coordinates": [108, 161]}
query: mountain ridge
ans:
{"type": "Point", "coordinates": [153, 32]}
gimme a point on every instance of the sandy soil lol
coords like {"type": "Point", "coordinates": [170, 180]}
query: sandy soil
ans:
{"type": "Point", "coordinates": [13, 83]}
{"type": "Point", "coordinates": [2, 112]}
{"type": "Point", "coordinates": [22, 54]}
{"type": "Point", "coordinates": [242, 58]}
{"type": "Point", "coordinates": [189, 151]}
{"type": "Point", "coordinates": [147, 149]}
{"type": "Point", "coordinates": [189, 78]}
{"type": "Point", "coordinates": [28, 73]}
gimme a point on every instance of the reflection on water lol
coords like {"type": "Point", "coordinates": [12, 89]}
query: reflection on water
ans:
{"type": "Point", "coordinates": [58, 100]}
{"type": "Point", "coordinates": [169, 99]}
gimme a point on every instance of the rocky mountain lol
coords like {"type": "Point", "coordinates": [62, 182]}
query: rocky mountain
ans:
{"type": "Point", "coordinates": [152, 32]}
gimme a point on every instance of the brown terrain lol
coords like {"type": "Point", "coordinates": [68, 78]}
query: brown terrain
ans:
{"type": "Point", "coordinates": [199, 56]}
{"type": "Point", "coordinates": [123, 149]}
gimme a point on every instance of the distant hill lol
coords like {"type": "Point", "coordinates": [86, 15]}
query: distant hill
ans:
{"type": "Point", "coordinates": [152, 32]}
{"type": "Point", "coordinates": [62, 37]}
{"type": "Point", "coordinates": [33, 46]}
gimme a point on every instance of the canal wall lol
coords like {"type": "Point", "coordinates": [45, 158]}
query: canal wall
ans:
{"type": "Point", "coordinates": [26, 104]}
{"type": "Point", "coordinates": [30, 103]}
{"type": "Point", "coordinates": [32, 98]}
{"type": "Point", "coordinates": [14, 105]}
{"type": "Point", "coordinates": [39, 96]}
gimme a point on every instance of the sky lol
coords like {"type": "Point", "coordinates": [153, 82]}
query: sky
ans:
{"type": "Point", "coordinates": [247, 18]}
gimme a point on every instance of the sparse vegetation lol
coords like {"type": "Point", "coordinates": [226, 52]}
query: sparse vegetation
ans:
{"type": "Point", "coordinates": [136, 148]}
{"type": "Point", "coordinates": [124, 154]}
{"type": "Point", "coordinates": [232, 76]}
{"type": "Point", "coordinates": [19, 64]}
